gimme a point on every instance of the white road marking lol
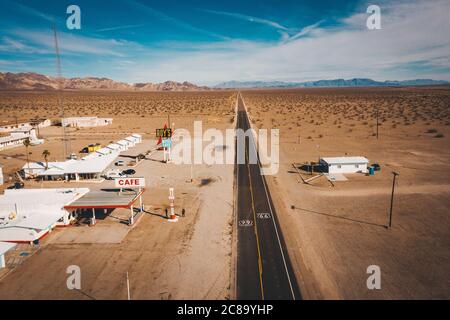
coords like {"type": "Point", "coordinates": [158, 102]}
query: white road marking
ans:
{"type": "Point", "coordinates": [271, 210]}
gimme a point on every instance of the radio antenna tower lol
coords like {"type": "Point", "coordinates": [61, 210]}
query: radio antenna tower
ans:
{"type": "Point", "coordinates": [65, 138]}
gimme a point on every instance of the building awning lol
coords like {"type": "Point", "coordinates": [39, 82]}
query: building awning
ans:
{"type": "Point", "coordinates": [112, 199]}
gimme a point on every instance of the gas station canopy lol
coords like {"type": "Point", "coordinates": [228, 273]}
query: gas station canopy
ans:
{"type": "Point", "coordinates": [111, 199]}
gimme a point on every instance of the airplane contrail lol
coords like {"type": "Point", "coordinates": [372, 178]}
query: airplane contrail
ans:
{"type": "Point", "coordinates": [304, 31]}
{"type": "Point", "coordinates": [287, 34]}
{"type": "Point", "coordinates": [121, 27]}
{"type": "Point", "coordinates": [267, 22]}
{"type": "Point", "coordinates": [175, 21]}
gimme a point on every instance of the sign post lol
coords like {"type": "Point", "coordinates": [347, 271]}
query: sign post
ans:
{"type": "Point", "coordinates": [165, 134]}
{"type": "Point", "coordinates": [167, 145]}
{"type": "Point", "coordinates": [173, 217]}
{"type": "Point", "coordinates": [132, 183]}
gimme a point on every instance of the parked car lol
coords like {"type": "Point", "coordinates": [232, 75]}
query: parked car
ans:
{"type": "Point", "coordinates": [129, 171]}
{"type": "Point", "coordinates": [17, 185]}
{"type": "Point", "coordinates": [114, 174]}
{"type": "Point", "coordinates": [376, 167]}
{"type": "Point", "coordinates": [120, 163]}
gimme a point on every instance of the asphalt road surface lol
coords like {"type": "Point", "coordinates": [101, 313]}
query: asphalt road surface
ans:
{"type": "Point", "coordinates": [263, 270]}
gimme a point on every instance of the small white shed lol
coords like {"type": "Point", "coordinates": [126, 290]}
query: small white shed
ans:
{"type": "Point", "coordinates": [345, 164]}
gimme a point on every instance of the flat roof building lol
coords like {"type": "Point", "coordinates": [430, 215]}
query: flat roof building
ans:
{"type": "Point", "coordinates": [89, 167]}
{"type": "Point", "coordinates": [345, 164]}
{"type": "Point", "coordinates": [124, 144]}
{"type": "Point", "coordinates": [92, 166]}
{"type": "Point", "coordinates": [18, 136]}
{"type": "Point", "coordinates": [85, 122]}
{"type": "Point", "coordinates": [27, 215]}
{"type": "Point", "coordinates": [13, 125]}
{"type": "Point", "coordinates": [114, 146]}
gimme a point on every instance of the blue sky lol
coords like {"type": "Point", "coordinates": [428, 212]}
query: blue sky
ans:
{"type": "Point", "coordinates": [207, 42]}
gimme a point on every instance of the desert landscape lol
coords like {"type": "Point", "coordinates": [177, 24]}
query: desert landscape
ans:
{"type": "Point", "coordinates": [334, 233]}
{"type": "Point", "coordinates": [225, 159]}
{"type": "Point", "coordinates": [132, 112]}
{"type": "Point", "coordinates": [190, 259]}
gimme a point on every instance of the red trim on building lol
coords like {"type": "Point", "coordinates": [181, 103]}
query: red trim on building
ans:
{"type": "Point", "coordinates": [28, 241]}
{"type": "Point", "coordinates": [127, 206]}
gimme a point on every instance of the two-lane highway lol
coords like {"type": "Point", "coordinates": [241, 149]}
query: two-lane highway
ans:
{"type": "Point", "coordinates": [263, 270]}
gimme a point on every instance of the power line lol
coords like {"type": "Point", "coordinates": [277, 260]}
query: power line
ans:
{"type": "Point", "coordinates": [65, 138]}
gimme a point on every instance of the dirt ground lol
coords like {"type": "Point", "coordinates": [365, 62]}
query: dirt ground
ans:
{"type": "Point", "coordinates": [190, 259]}
{"type": "Point", "coordinates": [334, 233]}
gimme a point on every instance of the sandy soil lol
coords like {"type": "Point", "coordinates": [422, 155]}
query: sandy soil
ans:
{"type": "Point", "coordinates": [334, 233]}
{"type": "Point", "coordinates": [190, 259]}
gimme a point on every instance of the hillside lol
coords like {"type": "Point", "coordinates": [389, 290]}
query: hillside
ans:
{"type": "Point", "coordinates": [35, 81]}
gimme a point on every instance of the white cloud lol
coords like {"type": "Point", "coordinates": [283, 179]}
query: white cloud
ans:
{"type": "Point", "coordinates": [74, 44]}
{"type": "Point", "coordinates": [413, 43]}
{"type": "Point", "coordinates": [410, 34]}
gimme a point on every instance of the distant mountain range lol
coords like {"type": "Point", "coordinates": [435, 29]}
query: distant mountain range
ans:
{"type": "Point", "coordinates": [35, 81]}
{"type": "Point", "coordinates": [356, 82]}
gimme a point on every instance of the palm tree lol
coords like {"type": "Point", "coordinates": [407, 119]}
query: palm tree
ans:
{"type": "Point", "coordinates": [46, 154]}
{"type": "Point", "coordinates": [27, 143]}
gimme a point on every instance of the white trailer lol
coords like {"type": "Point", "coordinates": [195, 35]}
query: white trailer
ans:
{"type": "Point", "coordinates": [345, 164]}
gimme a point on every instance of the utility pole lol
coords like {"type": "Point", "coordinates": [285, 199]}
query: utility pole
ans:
{"type": "Point", "coordinates": [392, 198]}
{"type": "Point", "coordinates": [66, 140]}
{"type": "Point", "coordinates": [128, 287]}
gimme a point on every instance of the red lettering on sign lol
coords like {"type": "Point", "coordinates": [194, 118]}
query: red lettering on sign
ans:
{"type": "Point", "coordinates": [129, 182]}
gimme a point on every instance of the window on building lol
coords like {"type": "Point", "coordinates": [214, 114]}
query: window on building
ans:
{"type": "Point", "coordinates": [357, 166]}
{"type": "Point", "coordinates": [339, 166]}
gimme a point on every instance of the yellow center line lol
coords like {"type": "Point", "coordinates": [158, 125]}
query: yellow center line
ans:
{"type": "Point", "coordinates": [260, 268]}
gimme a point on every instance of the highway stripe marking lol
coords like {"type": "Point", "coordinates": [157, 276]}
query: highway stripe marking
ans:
{"type": "Point", "coordinates": [260, 267]}
{"type": "Point", "coordinates": [271, 211]}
